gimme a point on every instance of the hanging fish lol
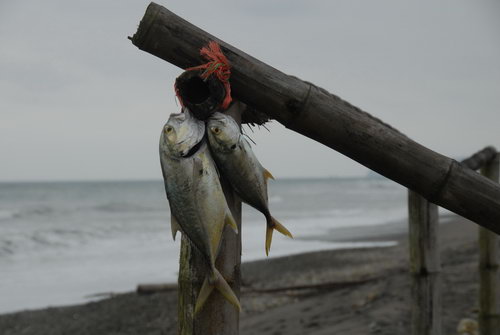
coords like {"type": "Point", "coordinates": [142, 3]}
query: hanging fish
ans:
{"type": "Point", "coordinates": [238, 164]}
{"type": "Point", "coordinates": [197, 202]}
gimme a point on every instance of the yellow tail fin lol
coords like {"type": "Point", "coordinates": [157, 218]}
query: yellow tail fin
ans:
{"type": "Point", "coordinates": [222, 286]}
{"type": "Point", "coordinates": [273, 224]}
{"type": "Point", "coordinates": [205, 291]}
{"type": "Point", "coordinates": [269, 238]}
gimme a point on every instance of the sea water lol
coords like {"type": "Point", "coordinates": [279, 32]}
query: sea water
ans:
{"type": "Point", "coordinates": [62, 242]}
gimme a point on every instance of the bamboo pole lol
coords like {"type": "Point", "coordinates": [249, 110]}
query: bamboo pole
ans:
{"type": "Point", "coordinates": [425, 266]}
{"type": "Point", "coordinates": [480, 159]}
{"type": "Point", "coordinates": [489, 314]}
{"type": "Point", "coordinates": [218, 316]}
{"type": "Point", "coordinates": [326, 118]}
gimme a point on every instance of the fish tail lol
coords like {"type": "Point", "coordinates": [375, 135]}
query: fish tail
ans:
{"type": "Point", "coordinates": [223, 287]}
{"type": "Point", "coordinates": [273, 224]}
{"type": "Point", "coordinates": [218, 282]}
{"type": "Point", "coordinates": [205, 291]}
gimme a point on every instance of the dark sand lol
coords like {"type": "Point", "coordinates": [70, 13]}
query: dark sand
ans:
{"type": "Point", "coordinates": [380, 305]}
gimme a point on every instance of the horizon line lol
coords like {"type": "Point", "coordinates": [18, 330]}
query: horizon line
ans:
{"type": "Point", "coordinates": [110, 180]}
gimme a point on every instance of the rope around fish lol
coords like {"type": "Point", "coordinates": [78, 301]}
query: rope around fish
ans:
{"type": "Point", "coordinates": [218, 65]}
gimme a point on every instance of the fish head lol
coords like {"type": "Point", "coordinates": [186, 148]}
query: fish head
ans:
{"type": "Point", "coordinates": [223, 131]}
{"type": "Point", "coordinates": [181, 133]}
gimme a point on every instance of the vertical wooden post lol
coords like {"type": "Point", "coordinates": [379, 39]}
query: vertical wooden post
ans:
{"type": "Point", "coordinates": [425, 266]}
{"type": "Point", "coordinates": [489, 317]}
{"type": "Point", "coordinates": [218, 316]}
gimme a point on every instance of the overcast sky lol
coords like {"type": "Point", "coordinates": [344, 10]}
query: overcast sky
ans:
{"type": "Point", "coordinates": [79, 101]}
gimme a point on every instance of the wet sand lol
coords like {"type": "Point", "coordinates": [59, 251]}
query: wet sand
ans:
{"type": "Point", "coordinates": [358, 291]}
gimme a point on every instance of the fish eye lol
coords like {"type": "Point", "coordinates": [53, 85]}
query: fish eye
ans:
{"type": "Point", "coordinates": [169, 129]}
{"type": "Point", "coordinates": [216, 130]}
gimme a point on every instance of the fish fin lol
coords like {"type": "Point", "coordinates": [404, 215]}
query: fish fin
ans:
{"type": "Point", "coordinates": [205, 291]}
{"type": "Point", "coordinates": [229, 220]}
{"type": "Point", "coordinates": [222, 286]}
{"type": "Point", "coordinates": [273, 224]}
{"type": "Point", "coordinates": [269, 238]}
{"type": "Point", "coordinates": [174, 225]}
{"type": "Point", "coordinates": [268, 175]}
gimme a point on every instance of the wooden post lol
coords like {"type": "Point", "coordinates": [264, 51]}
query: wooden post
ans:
{"type": "Point", "coordinates": [218, 316]}
{"type": "Point", "coordinates": [489, 317]}
{"type": "Point", "coordinates": [425, 266]}
{"type": "Point", "coordinates": [326, 118]}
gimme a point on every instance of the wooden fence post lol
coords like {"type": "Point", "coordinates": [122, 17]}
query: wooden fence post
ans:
{"type": "Point", "coordinates": [218, 316]}
{"type": "Point", "coordinates": [425, 266]}
{"type": "Point", "coordinates": [489, 317]}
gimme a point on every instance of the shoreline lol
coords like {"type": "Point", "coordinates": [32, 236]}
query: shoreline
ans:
{"type": "Point", "coordinates": [396, 230]}
{"type": "Point", "coordinates": [324, 242]}
{"type": "Point", "coordinates": [376, 302]}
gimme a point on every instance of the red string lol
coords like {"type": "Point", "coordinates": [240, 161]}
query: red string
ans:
{"type": "Point", "coordinates": [219, 65]}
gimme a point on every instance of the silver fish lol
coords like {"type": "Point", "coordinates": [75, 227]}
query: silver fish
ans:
{"type": "Point", "coordinates": [238, 164]}
{"type": "Point", "coordinates": [197, 202]}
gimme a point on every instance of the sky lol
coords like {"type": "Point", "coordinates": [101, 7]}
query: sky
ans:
{"type": "Point", "coordinates": [79, 102]}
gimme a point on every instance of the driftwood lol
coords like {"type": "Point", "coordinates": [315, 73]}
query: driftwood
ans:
{"type": "Point", "coordinates": [326, 118]}
{"type": "Point", "coordinates": [321, 286]}
{"type": "Point", "coordinates": [144, 289]}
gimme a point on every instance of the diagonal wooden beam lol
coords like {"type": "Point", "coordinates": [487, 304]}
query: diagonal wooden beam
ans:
{"type": "Point", "coordinates": [326, 118]}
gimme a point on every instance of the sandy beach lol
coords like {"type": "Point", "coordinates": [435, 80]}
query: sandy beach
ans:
{"type": "Point", "coordinates": [354, 291]}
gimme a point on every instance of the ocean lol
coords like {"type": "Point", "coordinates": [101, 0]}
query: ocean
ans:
{"type": "Point", "coordinates": [63, 242]}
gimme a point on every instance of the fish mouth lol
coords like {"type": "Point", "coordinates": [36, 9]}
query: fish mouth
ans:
{"type": "Point", "coordinates": [193, 150]}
